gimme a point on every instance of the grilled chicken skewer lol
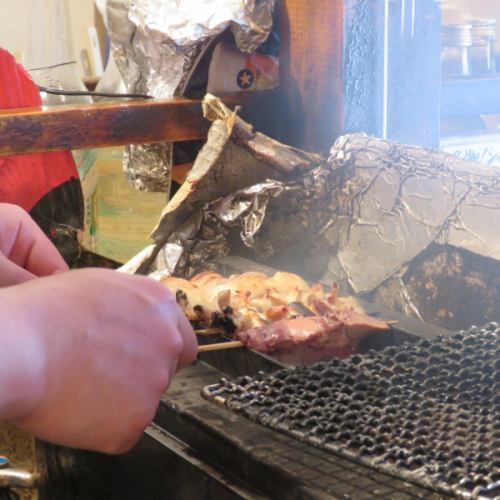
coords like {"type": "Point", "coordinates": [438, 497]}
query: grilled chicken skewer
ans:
{"type": "Point", "coordinates": [250, 299]}
{"type": "Point", "coordinates": [275, 314]}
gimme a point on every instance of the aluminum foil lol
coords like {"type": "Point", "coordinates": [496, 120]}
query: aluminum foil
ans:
{"type": "Point", "coordinates": [401, 200]}
{"type": "Point", "coordinates": [413, 228]}
{"type": "Point", "coordinates": [206, 234]}
{"type": "Point", "coordinates": [148, 166]}
{"type": "Point", "coordinates": [157, 45]}
{"type": "Point", "coordinates": [187, 23]}
{"type": "Point", "coordinates": [240, 221]}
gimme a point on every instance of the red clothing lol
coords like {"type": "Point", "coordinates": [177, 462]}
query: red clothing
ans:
{"type": "Point", "coordinates": [26, 179]}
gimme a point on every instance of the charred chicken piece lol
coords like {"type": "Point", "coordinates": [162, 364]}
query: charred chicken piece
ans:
{"type": "Point", "coordinates": [336, 333]}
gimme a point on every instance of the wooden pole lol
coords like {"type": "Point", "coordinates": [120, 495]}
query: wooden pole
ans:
{"type": "Point", "coordinates": [311, 73]}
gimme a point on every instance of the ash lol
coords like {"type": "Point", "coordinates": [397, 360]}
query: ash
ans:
{"type": "Point", "coordinates": [427, 412]}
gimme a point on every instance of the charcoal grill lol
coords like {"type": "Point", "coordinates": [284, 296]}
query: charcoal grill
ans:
{"type": "Point", "coordinates": [428, 412]}
{"type": "Point", "coordinates": [222, 448]}
{"type": "Point", "coordinates": [277, 463]}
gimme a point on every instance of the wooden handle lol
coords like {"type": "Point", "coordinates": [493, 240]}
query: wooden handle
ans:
{"type": "Point", "coordinates": [220, 346]}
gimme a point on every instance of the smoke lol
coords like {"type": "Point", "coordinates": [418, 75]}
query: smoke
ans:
{"type": "Point", "coordinates": [455, 11]}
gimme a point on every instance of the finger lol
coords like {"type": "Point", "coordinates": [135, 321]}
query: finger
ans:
{"type": "Point", "coordinates": [11, 274]}
{"type": "Point", "coordinates": [190, 347]}
{"type": "Point", "coordinates": [33, 251]}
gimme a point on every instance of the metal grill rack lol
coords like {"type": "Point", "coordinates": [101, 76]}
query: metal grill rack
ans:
{"type": "Point", "coordinates": [428, 412]}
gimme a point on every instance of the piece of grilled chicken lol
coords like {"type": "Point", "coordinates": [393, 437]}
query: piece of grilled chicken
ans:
{"type": "Point", "coordinates": [253, 299]}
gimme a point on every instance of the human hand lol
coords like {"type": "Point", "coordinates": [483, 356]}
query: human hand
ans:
{"type": "Point", "coordinates": [93, 350]}
{"type": "Point", "coordinates": [25, 251]}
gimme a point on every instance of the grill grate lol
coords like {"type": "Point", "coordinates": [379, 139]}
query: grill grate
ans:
{"type": "Point", "coordinates": [427, 412]}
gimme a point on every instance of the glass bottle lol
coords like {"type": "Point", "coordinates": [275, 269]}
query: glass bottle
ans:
{"type": "Point", "coordinates": [49, 58]}
{"type": "Point", "coordinates": [455, 47]}
{"type": "Point", "coordinates": [482, 50]}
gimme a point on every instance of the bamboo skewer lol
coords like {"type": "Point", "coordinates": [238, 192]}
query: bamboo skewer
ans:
{"type": "Point", "coordinates": [217, 331]}
{"type": "Point", "coordinates": [220, 346]}
{"type": "Point", "coordinates": [235, 344]}
{"type": "Point", "coordinates": [209, 331]}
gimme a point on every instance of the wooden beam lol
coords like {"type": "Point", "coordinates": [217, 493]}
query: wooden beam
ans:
{"type": "Point", "coordinates": [311, 73]}
{"type": "Point", "coordinates": [99, 125]}
{"type": "Point", "coordinates": [108, 124]}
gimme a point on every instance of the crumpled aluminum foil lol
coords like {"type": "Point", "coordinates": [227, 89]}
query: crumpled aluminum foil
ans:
{"type": "Point", "coordinates": [205, 235]}
{"type": "Point", "coordinates": [403, 199]}
{"type": "Point", "coordinates": [186, 23]}
{"type": "Point", "coordinates": [393, 223]}
{"type": "Point", "coordinates": [157, 44]}
{"type": "Point", "coordinates": [238, 219]}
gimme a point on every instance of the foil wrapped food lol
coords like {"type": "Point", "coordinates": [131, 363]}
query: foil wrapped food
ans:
{"type": "Point", "coordinates": [157, 44]}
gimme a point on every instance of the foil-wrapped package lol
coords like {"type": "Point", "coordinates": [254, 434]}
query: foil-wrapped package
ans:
{"type": "Point", "coordinates": [157, 44]}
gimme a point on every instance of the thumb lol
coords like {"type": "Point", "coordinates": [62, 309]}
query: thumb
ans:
{"type": "Point", "coordinates": [12, 274]}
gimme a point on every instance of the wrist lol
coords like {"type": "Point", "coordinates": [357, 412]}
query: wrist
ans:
{"type": "Point", "coordinates": [22, 357]}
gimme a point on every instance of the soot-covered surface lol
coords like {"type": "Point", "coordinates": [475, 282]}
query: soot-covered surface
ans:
{"type": "Point", "coordinates": [427, 412]}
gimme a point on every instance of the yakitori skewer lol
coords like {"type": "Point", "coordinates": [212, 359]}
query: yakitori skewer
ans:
{"type": "Point", "coordinates": [209, 331]}
{"type": "Point", "coordinates": [220, 346]}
